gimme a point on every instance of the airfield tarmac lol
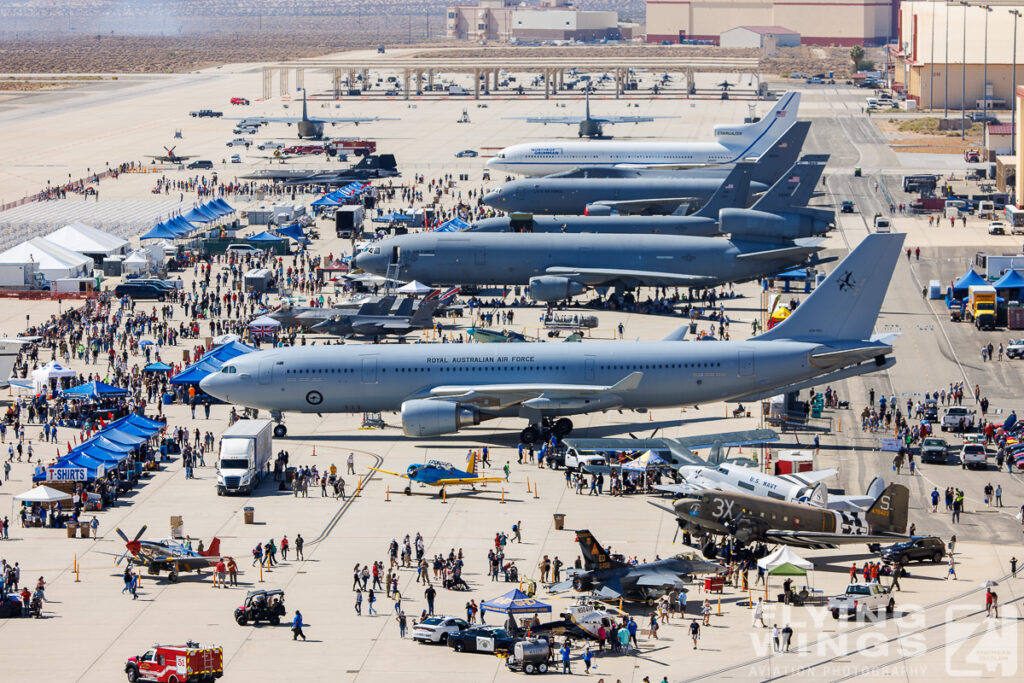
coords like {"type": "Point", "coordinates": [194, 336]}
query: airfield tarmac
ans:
{"type": "Point", "coordinates": [940, 630]}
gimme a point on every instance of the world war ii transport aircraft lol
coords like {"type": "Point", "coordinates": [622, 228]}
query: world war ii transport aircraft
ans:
{"type": "Point", "coordinates": [441, 388]}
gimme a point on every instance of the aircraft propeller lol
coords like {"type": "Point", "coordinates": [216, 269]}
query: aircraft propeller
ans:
{"type": "Point", "coordinates": [131, 546]}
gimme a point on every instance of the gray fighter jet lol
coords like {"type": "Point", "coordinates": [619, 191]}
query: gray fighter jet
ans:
{"type": "Point", "coordinates": [638, 189]}
{"type": "Point", "coordinates": [611, 578]}
{"type": "Point", "coordinates": [441, 388]}
{"type": "Point", "coordinates": [407, 318]}
{"type": "Point", "coordinates": [560, 266]}
{"type": "Point", "coordinates": [306, 317]}
{"type": "Point", "coordinates": [780, 212]}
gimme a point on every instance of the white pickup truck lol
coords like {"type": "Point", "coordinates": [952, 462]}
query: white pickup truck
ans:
{"type": "Point", "coordinates": [859, 599]}
{"type": "Point", "coordinates": [953, 416]}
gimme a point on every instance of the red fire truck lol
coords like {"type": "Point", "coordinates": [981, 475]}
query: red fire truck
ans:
{"type": "Point", "coordinates": [176, 664]}
{"type": "Point", "coordinates": [354, 146]}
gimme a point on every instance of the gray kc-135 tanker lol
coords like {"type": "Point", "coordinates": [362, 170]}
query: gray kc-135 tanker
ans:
{"type": "Point", "coordinates": [441, 388]}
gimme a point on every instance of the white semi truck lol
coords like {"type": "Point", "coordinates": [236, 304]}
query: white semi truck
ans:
{"type": "Point", "coordinates": [245, 453]}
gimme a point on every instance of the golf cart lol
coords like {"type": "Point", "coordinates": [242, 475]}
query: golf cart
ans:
{"type": "Point", "coordinates": [261, 605]}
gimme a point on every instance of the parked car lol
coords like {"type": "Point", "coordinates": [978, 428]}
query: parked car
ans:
{"type": "Point", "coordinates": [243, 250]}
{"type": "Point", "coordinates": [997, 228]}
{"type": "Point", "coordinates": [859, 599]}
{"type": "Point", "coordinates": [488, 639]}
{"type": "Point", "coordinates": [953, 417]}
{"type": "Point", "coordinates": [466, 153]}
{"type": "Point", "coordinates": [438, 629]}
{"type": "Point", "coordinates": [974, 456]}
{"type": "Point", "coordinates": [206, 113]}
{"type": "Point", "coordinates": [239, 142]}
{"type": "Point", "coordinates": [201, 163]}
{"type": "Point", "coordinates": [1015, 348]}
{"type": "Point", "coordinates": [236, 158]}
{"type": "Point", "coordinates": [270, 145]}
{"type": "Point", "coordinates": [140, 290]}
{"type": "Point", "coordinates": [917, 549]}
{"type": "Point", "coordinates": [934, 449]}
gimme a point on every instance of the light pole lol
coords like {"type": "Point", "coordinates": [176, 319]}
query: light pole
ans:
{"type": "Point", "coordinates": [1013, 86]}
{"type": "Point", "coordinates": [984, 77]}
{"type": "Point", "coordinates": [963, 77]}
{"type": "Point", "coordinates": [945, 69]}
{"type": "Point", "coordinates": [931, 61]}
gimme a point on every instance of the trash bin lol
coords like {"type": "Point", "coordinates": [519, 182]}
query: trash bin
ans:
{"type": "Point", "coordinates": [559, 521]}
{"type": "Point", "coordinates": [83, 529]}
{"type": "Point", "coordinates": [72, 528]}
{"type": "Point", "coordinates": [250, 515]}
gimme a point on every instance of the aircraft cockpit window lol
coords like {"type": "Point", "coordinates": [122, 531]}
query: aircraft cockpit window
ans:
{"type": "Point", "coordinates": [229, 370]}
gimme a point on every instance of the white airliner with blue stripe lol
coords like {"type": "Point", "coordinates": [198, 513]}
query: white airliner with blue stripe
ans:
{"type": "Point", "coordinates": [732, 143]}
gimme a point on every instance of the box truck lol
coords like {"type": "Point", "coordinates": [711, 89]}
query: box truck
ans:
{"type": "Point", "coordinates": [244, 456]}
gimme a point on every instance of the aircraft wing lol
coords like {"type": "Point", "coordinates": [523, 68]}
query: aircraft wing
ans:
{"type": "Point", "coordinates": [799, 247]}
{"type": "Point", "coordinates": [686, 489]}
{"type": "Point", "coordinates": [560, 587]}
{"type": "Point", "coordinates": [810, 478]}
{"type": "Point", "coordinates": [821, 540]}
{"type": "Point", "coordinates": [659, 579]}
{"type": "Point", "coordinates": [393, 474]}
{"type": "Point", "coordinates": [635, 278]}
{"type": "Point", "coordinates": [660, 205]}
{"type": "Point", "coordinates": [467, 481]}
{"type": "Point", "coordinates": [612, 590]}
{"type": "Point", "coordinates": [192, 563]}
{"type": "Point", "coordinates": [503, 395]}
{"type": "Point", "coordinates": [728, 439]}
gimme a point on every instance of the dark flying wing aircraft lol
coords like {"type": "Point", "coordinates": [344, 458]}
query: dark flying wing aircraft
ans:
{"type": "Point", "coordinates": [371, 167]}
{"type": "Point", "coordinates": [611, 578]}
{"type": "Point", "coordinates": [589, 126]}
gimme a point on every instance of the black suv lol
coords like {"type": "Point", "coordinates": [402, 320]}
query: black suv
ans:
{"type": "Point", "coordinates": [917, 549]}
{"type": "Point", "coordinates": [141, 290]}
{"type": "Point", "coordinates": [202, 163]}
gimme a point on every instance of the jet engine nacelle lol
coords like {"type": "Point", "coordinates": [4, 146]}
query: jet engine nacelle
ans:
{"type": "Point", "coordinates": [803, 222]}
{"type": "Point", "coordinates": [426, 417]}
{"type": "Point", "coordinates": [554, 288]}
{"type": "Point", "coordinates": [597, 210]}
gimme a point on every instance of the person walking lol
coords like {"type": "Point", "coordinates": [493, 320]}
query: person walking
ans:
{"type": "Point", "coordinates": [587, 657]}
{"type": "Point", "coordinates": [952, 568]}
{"type": "Point", "coordinates": [999, 495]}
{"type": "Point", "coordinates": [566, 652]}
{"type": "Point", "coordinates": [401, 624]}
{"type": "Point", "coordinates": [787, 635]}
{"type": "Point", "coordinates": [759, 613]}
{"type": "Point", "coordinates": [298, 547]}
{"type": "Point", "coordinates": [694, 632]}
{"type": "Point", "coordinates": [297, 626]}
{"type": "Point", "coordinates": [351, 463]}
{"type": "Point", "coordinates": [430, 594]}
{"type": "Point", "coordinates": [935, 499]}
{"type": "Point", "coordinates": [233, 571]}
{"type": "Point", "coordinates": [371, 600]}
{"type": "Point", "coordinates": [1013, 566]}
{"type": "Point", "coordinates": [359, 602]}
{"type": "Point", "coordinates": [776, 633]}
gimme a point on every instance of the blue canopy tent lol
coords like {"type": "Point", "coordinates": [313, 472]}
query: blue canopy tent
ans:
{"type": "Point", "coordinates": [157, 367]}
{"type": "Point", "coordinates": [353, 190]}
{"type": "Point", "coordinates": [194, 373]}
{"type": "Point", "coordinates": [453, 225]}
{"type": "Point", "coordinates": [94, 450]}
{"type": "Point", "coordinates": [95, 389]}
{"type": "Point", "coordinates": [223, 205]}
{"type": "Point", "coordinates": [515, 602]}
{"type": "Point", "coordinates": [198, 215]}
{"type": "Point", "coordinates": [1010, 285]}
{"type": "Point", "coordinates": [160, 231]}
{"type": "Point", "coordinates": [214, 209]}
{"type": "Point", "coordinates": [141, 422]}
{"type": "Point", "coordinates": [393, 217]}
{"type": "Point", "coordinates": [114, 445]}
{"type": "Point", "coordinates": [92, 466]}
{"type": "Point", "coordinates": [127, 432]}
{"type": "Point", "coordinates": [182, 226]}
{"type": "Point", "coordinates": [970, 279]}
{"type": "Point", "coordinates": [793, 274]}
{"type": "Point", "coordinates": [263, 237]}
{"type": "Point", "coordinates": [293, 231]}
{"type": "Point", "coordinates": [330, 199]}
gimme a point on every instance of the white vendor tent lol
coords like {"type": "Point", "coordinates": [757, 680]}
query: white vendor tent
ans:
{"type": "Point", "coordinates": [53, 261]}
{"type": "Point", "coordinates": [415, 287]}
{"type": "Point", "coordinates": [87, 240]}
{"type": "Point", "coordinates": [42, 494]}
{"type": "Point", "coordinates": [782, 556]}
{"type": "Point", "coordinates": [138, 262]}
{"type": "Point", "coordinates": [53, 370]}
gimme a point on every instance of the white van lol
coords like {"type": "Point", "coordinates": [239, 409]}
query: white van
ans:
{"type": "Point", "coordinates": [872, 102]}
{"type": "Point", "coordinates": [883, 224]}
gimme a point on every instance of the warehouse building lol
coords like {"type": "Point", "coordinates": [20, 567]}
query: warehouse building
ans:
{"type": "Point", "coordinates": [941, 61]}
{"type": "Point", "coordinates": [817, 22]}
{"type": "Point", "coordinates": [512, 21]}
{"type": "Point", "coordinates": [758, 36]}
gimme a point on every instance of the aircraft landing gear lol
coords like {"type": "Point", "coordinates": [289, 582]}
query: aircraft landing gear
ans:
{"type": "Point", "coordinates": [562, 427]}
{"type": "Point", "coordinates": [530, 435]}
{"type": "Point", "coordinates": [280, 431]}
{"type": "Point", "coordinates": [408, 491]}
{"type": "Point", "coordinates": [172, 577]}
{"type": "Point", "coordinates": [542, 432]}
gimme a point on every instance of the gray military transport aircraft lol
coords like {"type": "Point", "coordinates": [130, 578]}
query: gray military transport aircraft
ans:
{"type": "Point", "coordinates": [638, 189]}
{"type": "Point", "coordinates": [441, 388]}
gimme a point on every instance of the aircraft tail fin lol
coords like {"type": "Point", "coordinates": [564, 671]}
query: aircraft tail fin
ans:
{"type": "Point", "coordinates": [857, 287]}
{"type": "Point", "coordinates": [716, 455]}
{"type": "Point", "coordinates": [889, 511]}
{"type": "Point", "coordinates": [795, 188]}
{"type": "Point", "coordinates": [875, 488]}
{"type": "Point", "coordinates": [819, 495]}
{"type": "Point", "coordinates": [781, 156]}
{"type": "Point", "coordinates": [213, 550]}
{"type": "Point", "coordinates": [425, 312]}
{"type": "Point", "coordinates": [305, 117]}
{"type": "Point", "coordinates": [732, 193]}
{"type": "Point", "coordinates": [471, 463]}
{"type": "Point", "coordinates": [757, 138]}
{"type": "Point", "coordinates": [375, 161]}
{"type": "Point", "coordinates": [594, 555]}
{"type": "Point", "coordinates": [405, 307]}
{"type": "Point", "coordinates": [587, 112]}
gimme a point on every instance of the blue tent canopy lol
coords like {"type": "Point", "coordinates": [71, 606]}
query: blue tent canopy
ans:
{"type": "Point", "coordinates": [157, 367]}
{"type": "Point", "coordinates": [160, 231]}
{"type": "Point", "coordinates": [94, 450]}
{"type": "Point", "coordinates": [222, 205]}
{"type": "Point", "coordinates": [329, 200]}
{"type": "Point", "coordinates": [182, 226]}
{"type": "Point", "coordinates": [139, 421]}
{"type": "Point", "coordinates": [293, 231]}
{"type": "Point", "coordinates": [1011, 279]}
{"type": "Point", "coordinates": [213, 209]}
{"type": "Point", "coordinates": [95, 389]}
{"type": "Point", "coordinates": [198, 215]}
{"type": "Point", "coordinates": [263, 237]}
{"type": "Point", "coordinates": [128, 431]}
{"type": "Point", "coordinates": [515, 602]}
{"type": "Point", "coordinates": [211, 362]}
{"type": "Point", "coordinates": [970, 279]}
{"type": "Point", "coordinates": [793, 274]}
{"type": "Point", "coordinates": [454, 225]}
{"type": "Point", "coordinates": [114, 445]}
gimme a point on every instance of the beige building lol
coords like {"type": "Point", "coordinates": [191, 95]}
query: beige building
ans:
{"type": "Point", "coordinates": [818, 22]}
{"type": "Point", "coordinates": [508, 20]}
{"type": "Point", "coordinates": [933, 52]}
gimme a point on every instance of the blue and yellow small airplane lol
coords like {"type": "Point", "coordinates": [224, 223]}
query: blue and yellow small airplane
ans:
{"type": "Point", "coordinates": [440, 473]}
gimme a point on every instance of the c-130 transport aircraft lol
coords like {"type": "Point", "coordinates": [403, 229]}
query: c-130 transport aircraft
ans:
{"type": "Point", "coordinates": [442, 388]}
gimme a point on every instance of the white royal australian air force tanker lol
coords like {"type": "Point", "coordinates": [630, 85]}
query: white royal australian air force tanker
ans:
{"type": "Point", "coordinates": [732, 143]}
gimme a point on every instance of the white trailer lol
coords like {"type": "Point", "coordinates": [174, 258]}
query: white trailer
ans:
{"type": "Point", "coordinates": [245, 453]}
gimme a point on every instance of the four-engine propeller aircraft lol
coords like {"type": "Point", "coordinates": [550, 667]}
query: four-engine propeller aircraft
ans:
{"type": "Point", "coordinates": [611, 578]}
{"type": "Point", "coordinates": [589, 126]}
{"type": "Point", "coordinates": [313, 128]}
{"type": "Point", "coordinates": [439, 473]}
{"type": "Point", "coordinates": [750, 519]}
{"type": "Point", "coordinates": [442, 388]}
{"type": "Point", "coordinates": [167, 556]}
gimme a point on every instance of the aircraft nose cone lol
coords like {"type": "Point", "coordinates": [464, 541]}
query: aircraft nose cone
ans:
{"type": "Point", "coordinates": [371, 263]}
{"type": "Point", "coordinates": [212, 385]}
{"type": "Point", "coordinates": [494, 198]}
